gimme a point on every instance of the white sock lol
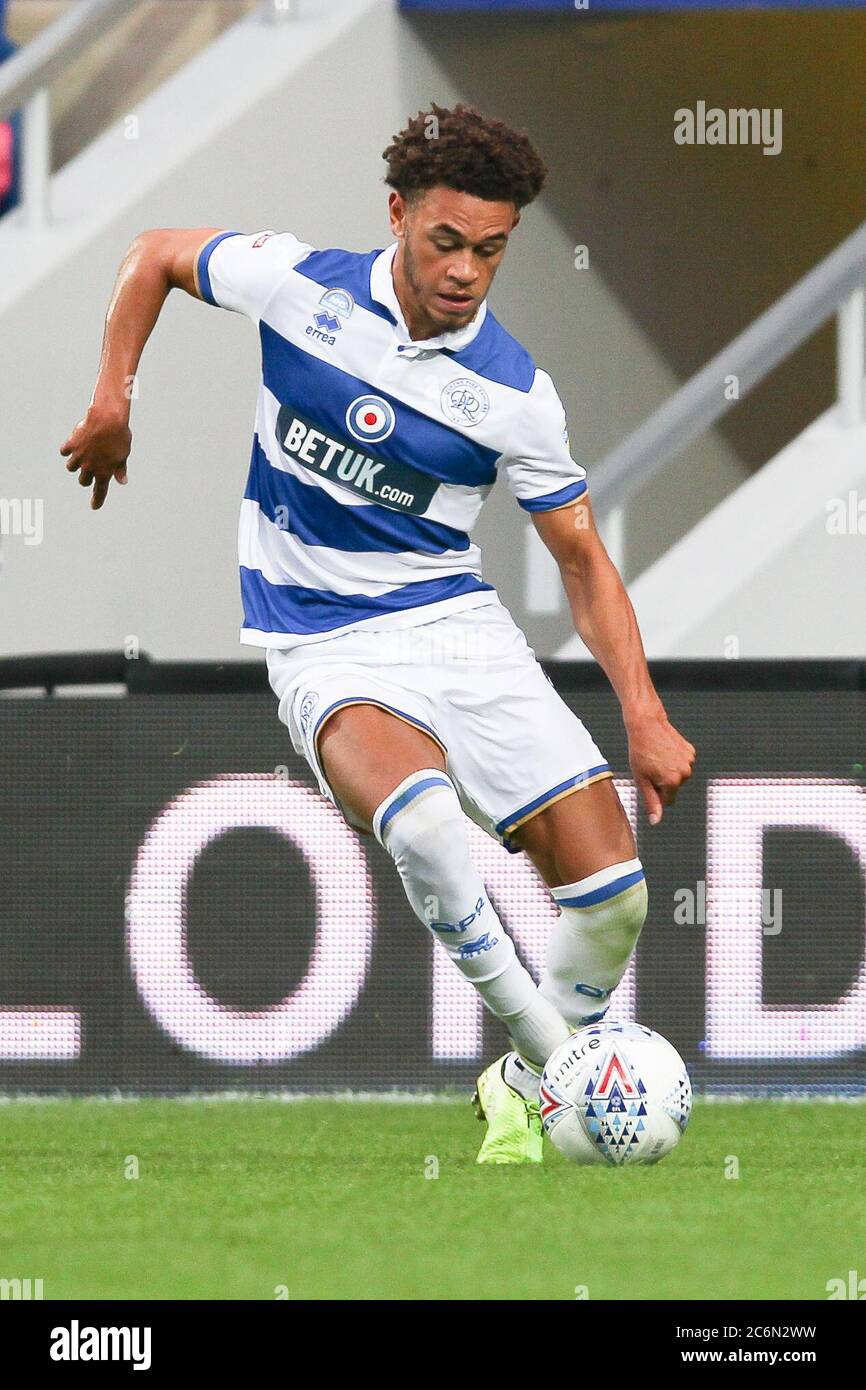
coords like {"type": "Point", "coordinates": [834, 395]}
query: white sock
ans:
{"type": "Point", "coordinates": [592, 941]}
{"type": "Point", "coordinates": [521, 1077]}
{"type": "Point", "coordinates": [422, 827]}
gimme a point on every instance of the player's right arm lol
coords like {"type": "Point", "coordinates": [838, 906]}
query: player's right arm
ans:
{"type": "Point", "coordinates": [156, 262]}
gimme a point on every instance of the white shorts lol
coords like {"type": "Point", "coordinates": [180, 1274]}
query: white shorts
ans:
{"type": "Point", "coordinates": [469, 680]}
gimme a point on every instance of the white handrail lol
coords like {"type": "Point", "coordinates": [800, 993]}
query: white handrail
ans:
{"type": "Point", "coordinates": [24, 82]}
{"type": "Point", "coordinates": [834, 286]}
{"type": "Point", "coordinates": [26, 77]}
{"type": "Point", "coordinates": [36, 160]}
{"type": "Point", "coordinates": [851, 356]}
{"type": "Point", "coordinates": [43, 59]}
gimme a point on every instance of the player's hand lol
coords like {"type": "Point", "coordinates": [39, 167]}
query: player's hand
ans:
{"type": "Point", "coordinates": [661, 760]}
{"type": "Point", "coordinates": [98, 449]}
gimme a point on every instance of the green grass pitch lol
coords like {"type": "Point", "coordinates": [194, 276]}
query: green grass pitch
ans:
{"type": "Point", "coordinates": [328, 1199]}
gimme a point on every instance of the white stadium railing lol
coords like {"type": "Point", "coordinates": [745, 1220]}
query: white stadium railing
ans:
{"type": "Point", "coordinates": [24, 83]}
{"type": "Point", "coordinates": [25, 80]}
{"type": "Point", "coordinates": [834, 287]}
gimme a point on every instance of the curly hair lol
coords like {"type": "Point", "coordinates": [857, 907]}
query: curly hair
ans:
{"type": "Point", "coordinates": [465, 151]}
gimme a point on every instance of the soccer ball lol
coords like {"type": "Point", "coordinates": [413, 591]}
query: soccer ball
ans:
{"type": "Point", "coordinates": [615, 1093]}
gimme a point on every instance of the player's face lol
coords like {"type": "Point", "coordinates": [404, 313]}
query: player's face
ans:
{"type": "Point", "coordinates": [450, 247]}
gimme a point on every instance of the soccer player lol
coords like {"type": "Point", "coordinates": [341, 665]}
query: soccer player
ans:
{"type": "Point", "coordinates": [390, 400]}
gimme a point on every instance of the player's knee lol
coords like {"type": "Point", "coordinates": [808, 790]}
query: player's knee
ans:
{"type": "Point", "coordinates": [423, 829]}
{"type": "Point", "coordinates": [419, 817]}
{"type": "Point", "coordinates": [613, 901]}
{"type": "Point", "coordinates": [590, 947]}
{"type": "Point", "coordinates": [617, 922]}
{"type": "Point", "coordinates": [628, 909]}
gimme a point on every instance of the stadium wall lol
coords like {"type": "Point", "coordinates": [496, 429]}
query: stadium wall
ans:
{"type": "Point", "coordinates": [666, 286]}
{"type": "Point", "coordinates": [158, 563]}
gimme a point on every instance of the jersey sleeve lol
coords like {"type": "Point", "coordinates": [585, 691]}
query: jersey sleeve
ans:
{"type": "Point", "coordinates": [240, 271]}
{"type": "Point", "coordinates": [542, 475]}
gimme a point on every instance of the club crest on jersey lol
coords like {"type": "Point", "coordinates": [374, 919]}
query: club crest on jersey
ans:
{"type": "Point", "coordinates": [464, 401]}
{"type": "Point", "coordinates": [339, 302]}
{"type": "Point", "coordinates": [370, 419]}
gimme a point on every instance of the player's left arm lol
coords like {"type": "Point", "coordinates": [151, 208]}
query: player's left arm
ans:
{"type": "Point", "coordinates": [661, 759]}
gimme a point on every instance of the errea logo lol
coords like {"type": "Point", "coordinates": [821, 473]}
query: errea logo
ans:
{"type": "Point", "coordinates": [323, 327]}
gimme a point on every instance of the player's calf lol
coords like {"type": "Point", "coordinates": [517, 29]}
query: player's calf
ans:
{"type": "Point", "coordinates": [600, 920]}
{"type": "Point", "coordinates": [421, 825]}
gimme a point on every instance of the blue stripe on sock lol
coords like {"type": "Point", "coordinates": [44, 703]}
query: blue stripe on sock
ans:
{"type": "Point", "coordinates": [600, 895]}
{"type": "Point", "coordinates": [400, 802]}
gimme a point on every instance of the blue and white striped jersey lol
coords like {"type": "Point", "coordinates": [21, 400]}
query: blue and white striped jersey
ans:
{"type": "Point", "coordinates": [373, 454]}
